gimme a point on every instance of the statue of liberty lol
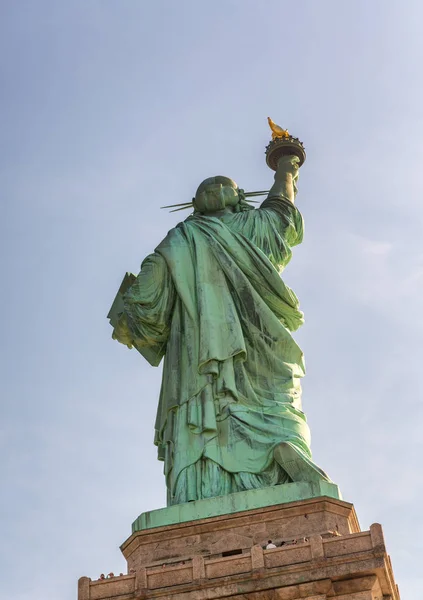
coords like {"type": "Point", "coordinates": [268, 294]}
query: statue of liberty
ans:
{"type": "Point", "coordinates": [210, 301]}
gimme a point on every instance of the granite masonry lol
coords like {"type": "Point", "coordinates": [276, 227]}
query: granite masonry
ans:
{"type": "Point", "coordinates": [321, 554]}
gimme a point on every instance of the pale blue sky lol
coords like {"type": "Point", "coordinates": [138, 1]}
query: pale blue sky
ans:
{"type": "Point", "coordinates": [111, 109]}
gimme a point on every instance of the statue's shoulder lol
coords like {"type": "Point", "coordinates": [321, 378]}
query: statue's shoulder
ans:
{"type": "Point", "coordinates": [176, 237]}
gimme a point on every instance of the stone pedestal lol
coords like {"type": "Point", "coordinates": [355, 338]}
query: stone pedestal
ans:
{"type": "Point", "coordinates": [321, 554]}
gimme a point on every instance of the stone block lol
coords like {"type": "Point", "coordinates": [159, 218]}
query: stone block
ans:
{"type": "Point", "coordinates": [84, 588]}
{"type": "Point", "coordinates": [360, 542]}
{"type": "Point", "coordinates": [163, 577]}
{"type": "Point", "coordinates": [228, 543]}
{"type": "Point", "coordinates": [356, 584]}
{"type": "Point", "coordinates": [230, 565]}
{"type": "Point", "coordinates": [289, 555]}
{"type": "Point", "coordinates": [257, 558]}
{"type": "Point", "coordinates": [198, 568]}
{"type": "Point", "coordinates": [316, 547]}
{"type": "Point", "coordinates": [109, 588]}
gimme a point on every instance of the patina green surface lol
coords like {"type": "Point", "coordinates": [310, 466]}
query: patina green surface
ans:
{"type": "Point", "coordinates": [211, 302]}
{"type": "Point", "coordinates": [234, 503]}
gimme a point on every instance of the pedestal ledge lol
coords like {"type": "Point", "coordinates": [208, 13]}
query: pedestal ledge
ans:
{"type": "Point", "coordinates": [239, 531]}
{"type": "Point", "coordinates": [234, 503]}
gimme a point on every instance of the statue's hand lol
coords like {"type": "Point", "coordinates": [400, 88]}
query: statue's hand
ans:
{"type": "Point", "coordinates": [122, 333]}
{"type": "Point", "coordinates": [286, 177]}
{"type": "Point", "coordinates": [289, 163]}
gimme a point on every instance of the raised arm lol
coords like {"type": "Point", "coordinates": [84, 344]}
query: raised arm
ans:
{"type": "Point", "coordinates": [279, 204]}
{"type": "Point", "coordinates": [286, 178]}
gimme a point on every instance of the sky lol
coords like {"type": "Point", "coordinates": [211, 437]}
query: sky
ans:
{"type": "Point", "coordinates": [111, 109]}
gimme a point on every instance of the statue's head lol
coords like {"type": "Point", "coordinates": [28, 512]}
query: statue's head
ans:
{"type": "Point", "coordinates": [215, 194]}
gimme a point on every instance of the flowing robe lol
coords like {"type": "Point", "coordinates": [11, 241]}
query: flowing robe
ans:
{"type": "Point", "coordinates": [211, 301]}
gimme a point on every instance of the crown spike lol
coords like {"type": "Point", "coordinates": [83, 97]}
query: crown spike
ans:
{"type": "Point", "coordinates": [181, 204]}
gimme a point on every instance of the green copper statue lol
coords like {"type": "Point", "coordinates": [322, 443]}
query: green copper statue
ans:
{"type": "Point", "coordinates": [211, 302]}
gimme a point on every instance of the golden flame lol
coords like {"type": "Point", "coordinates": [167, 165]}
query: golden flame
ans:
{"type": "Point", "coordinates": [277, 132]}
